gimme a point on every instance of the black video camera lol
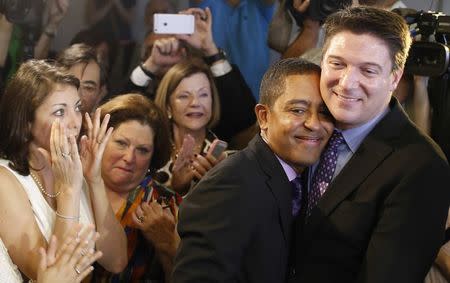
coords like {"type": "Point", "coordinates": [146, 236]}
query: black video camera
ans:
{"type": "Point", "coordinates": [430, 55]}
{"type": "Point", "coordinates": [318, 10]}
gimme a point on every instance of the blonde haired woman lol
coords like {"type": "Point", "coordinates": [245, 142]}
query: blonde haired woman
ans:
{"type": "Point", "coordinates": [189, 98]}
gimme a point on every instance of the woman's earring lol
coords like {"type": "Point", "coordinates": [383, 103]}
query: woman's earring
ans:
{"type": "Point", "coordinates": [169, 116]}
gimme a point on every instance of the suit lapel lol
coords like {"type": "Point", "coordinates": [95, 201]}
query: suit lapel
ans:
{"type": "Point", "coordinates": [276, 181]}
{"type": "Point", "coordinates": [375, 148]}
{"type": "Point", "coordinates": [368, 157]}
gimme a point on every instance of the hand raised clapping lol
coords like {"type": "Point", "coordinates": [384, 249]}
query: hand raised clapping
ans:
{"type": "Point", "coordinates": [182, 173]}
{"type": "Point", "coordinates": [93, 145]}
{"type": "Point", "coordinates": [72, 261]}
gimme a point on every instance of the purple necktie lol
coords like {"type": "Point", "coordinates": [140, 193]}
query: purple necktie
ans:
{"type": "Point", "coordinates": [325, 170]}
{"type": "Point", "coordinates": [296, 194]}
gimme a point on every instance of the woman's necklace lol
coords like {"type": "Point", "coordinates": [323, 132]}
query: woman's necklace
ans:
{"type": "Point", "coordinates": [41, 187]}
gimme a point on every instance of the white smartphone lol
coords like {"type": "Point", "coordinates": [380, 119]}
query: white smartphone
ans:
{"type": "Point", "coordinates": [173, 24]}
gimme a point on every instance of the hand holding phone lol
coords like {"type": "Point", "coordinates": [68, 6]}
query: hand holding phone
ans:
{"type": "Point", "coordinates": [217, 147]}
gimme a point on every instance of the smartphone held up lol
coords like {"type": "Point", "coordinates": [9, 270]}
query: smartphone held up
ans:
{"type": "Point", "coordinates": [217, 147]}
{"type": "Point", "coordinates": [173, 24]}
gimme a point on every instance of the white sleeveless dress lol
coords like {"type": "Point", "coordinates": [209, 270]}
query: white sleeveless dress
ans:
{"type": "Point", "coordinates": [43, 213]}
{"type": "Point", "coordinates": [8, 270]}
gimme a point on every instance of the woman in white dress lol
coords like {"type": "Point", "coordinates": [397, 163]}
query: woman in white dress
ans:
{"type": "Point", "coordinates": [46, 186]}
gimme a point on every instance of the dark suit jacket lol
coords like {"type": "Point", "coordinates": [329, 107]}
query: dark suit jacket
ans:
{"type": "Point", "coordinates": [235, 225]}
{"type": "Point", "coordinates": [382, 218]}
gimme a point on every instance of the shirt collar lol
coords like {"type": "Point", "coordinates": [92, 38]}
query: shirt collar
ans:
{"type": "Point", "coordinates": [290, 172]}
{"type": "Point", "coordinates": [354, 136]}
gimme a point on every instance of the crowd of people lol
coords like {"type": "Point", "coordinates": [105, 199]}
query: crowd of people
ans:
{"type": "Point", "coordinates": [110, 169]}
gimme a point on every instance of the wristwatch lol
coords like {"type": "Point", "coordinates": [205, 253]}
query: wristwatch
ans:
{"type": "Point", "coordinates": [221, 55]}
{"type": "Point", "coordinates": [147, 72]}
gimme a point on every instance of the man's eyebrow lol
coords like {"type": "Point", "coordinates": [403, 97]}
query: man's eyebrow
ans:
{"type": "Point", "coordinates": [89, 83]}
{"type": "Point", "coordinates": [298, 101]}
{"type": "Point", "coordinates": [368, 63]}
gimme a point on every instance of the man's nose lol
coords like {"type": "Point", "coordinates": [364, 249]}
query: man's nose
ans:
{"type": "Point", "coordinates": [312, 121]}
{"type": "Point", "coordinates": [349, 78]}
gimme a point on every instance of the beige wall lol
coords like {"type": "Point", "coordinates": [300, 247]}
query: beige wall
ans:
{"type": "Point", "coordinates": [74, 22]}
{"type": "Point", "coordinates": [71, 24]}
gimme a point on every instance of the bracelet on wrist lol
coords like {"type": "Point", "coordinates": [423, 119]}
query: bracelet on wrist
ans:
{"type": "Point", "coordinates": [147, 72]}
{"type": "Point", "coordinates": [67, 217]}
{"type": "Point", "coordinates": [221, 55]}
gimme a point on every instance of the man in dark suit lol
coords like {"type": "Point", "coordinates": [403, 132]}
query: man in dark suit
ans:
{"type": "Point", "coordinates": [235, 225]}
{"type": "Point", "coordinates": [382, 216]}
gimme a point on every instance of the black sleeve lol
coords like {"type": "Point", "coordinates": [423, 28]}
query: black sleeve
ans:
{"type": "Point", "coordinates": [131, 87]}
{"type": "Point", "coordinates": [215, 226]}
{"type": "Point", "coordinates": [236, 104]}
{"type": "Point", "coordinates": [149, 91]}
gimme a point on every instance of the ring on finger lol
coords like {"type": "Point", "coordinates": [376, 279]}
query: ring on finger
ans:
{"type": "Point", "coordinates": [77, 270]}
{"type": "Point", "coordinates": [141, 219]}
{"type": "Point", "coordinates": [99, 141]}
{"type": "Point", "coordinates": [65, 155]}
{"type": "Point", "coordinates": [83, 252]}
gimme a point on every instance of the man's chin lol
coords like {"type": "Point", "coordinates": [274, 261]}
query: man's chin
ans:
{"type": "Point", "coordinates": [301, 162]}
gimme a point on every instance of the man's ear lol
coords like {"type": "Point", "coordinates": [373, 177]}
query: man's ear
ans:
{"type": "Point", "coordinates": [262, 112]}
{"type": "Point", "coordinates": [396, 77]}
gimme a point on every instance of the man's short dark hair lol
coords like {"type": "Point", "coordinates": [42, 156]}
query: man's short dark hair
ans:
{"type": "Point", "coordinates": [385, 25]}
{"type": "Point", "coordinates": [81, 53]}
{"type": "Point", "coordinates": [273, 83]}
{"type": "Point", "coordinates": [95, 37]}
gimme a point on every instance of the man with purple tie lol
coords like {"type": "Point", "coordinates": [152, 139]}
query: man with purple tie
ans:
{"type": "Point", "coordinates": [235, 225]}
{"type": "Point", "coordinates": [379, 196]}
